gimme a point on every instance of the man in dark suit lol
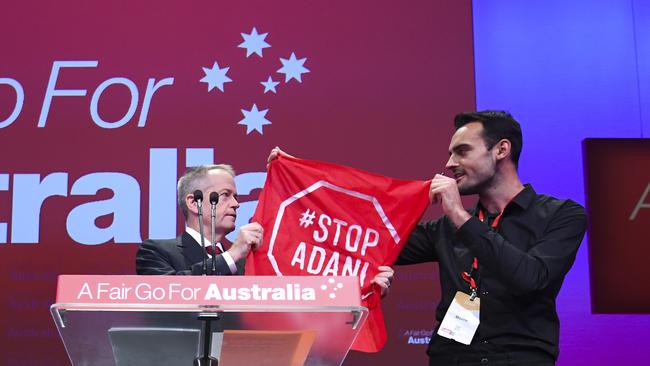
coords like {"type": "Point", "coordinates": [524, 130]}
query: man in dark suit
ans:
{"type": "Point", "coordinates": [184, 255]}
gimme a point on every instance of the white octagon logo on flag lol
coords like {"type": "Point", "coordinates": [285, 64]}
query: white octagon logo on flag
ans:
{"type": "Point", "coordinates": [364, 239]}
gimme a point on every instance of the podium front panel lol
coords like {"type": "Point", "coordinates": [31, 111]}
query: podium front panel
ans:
{"type": "Point", "coordinates": [109, 320]}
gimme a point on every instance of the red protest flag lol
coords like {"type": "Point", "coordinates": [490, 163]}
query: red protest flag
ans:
{"type": "Point", "coordinates": [331, 220]}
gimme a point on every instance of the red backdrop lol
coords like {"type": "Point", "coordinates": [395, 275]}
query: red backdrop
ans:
{"type": "Point", "coordinates": [385, 80]}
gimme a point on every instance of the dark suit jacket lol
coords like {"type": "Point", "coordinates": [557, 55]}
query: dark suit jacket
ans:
{"type": "Point", "coordinates": [179, 256]}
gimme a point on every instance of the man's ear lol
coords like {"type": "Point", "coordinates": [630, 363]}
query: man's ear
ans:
{"type": "Point", "coordinates": [189, 202]}
{"type": "Point", "coordinates": [503, 149]}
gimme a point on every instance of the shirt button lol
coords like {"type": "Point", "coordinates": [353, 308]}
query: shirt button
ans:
{"type": "Point", "coordinates": [484, 293]}
{"type": "Point", "coordinates": [484, 361]}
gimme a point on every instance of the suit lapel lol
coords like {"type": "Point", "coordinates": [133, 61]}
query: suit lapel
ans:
{"type": "Point", "coordinates": [192, 251]}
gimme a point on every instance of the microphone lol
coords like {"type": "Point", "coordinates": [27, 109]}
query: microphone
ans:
{"type": "Point", "coordinates": [198, 200]}
{"type": "Point", "coordinates": [214, 199]}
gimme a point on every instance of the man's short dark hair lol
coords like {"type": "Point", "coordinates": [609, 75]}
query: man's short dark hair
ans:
{"type": "Point", "coordinates": [497, 125]}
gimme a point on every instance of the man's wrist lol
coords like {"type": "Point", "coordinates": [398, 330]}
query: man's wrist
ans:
{"type": "Point", "coordinates": [234, 254]}
{"type": "Point", "coordinates": [459, 217]}
{"type": "Point", "coordinates": [230, 261]}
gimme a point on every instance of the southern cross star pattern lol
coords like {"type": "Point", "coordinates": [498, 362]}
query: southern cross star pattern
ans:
{"type": "Point", "coordinates": [254, 43]}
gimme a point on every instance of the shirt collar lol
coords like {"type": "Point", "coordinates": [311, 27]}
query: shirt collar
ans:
{"type": "Point", "coordinates": [523, 199]}
{"type": "Point", "coordinates": [197, 236]}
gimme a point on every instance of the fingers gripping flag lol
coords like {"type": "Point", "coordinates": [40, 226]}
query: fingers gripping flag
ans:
{"type": "Point", "coordinates": [327, 220]}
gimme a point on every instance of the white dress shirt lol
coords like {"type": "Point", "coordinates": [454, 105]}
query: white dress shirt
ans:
{"type": "Point", "coordinates": [197, 236]}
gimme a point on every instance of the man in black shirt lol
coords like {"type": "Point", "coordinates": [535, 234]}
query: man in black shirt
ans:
{"type": "Point", "coordinates": [512, 250]}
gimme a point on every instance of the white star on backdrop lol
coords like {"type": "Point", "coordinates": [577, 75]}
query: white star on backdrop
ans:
{"type": "Point", "coordinates": [215, 77]}
{"type": "Point", "coordinates": [293, 68]}
{"type": "Point", "coordinates": [254, 42]}
{"type": "Point", "coordinates": [254, 120]}
{"type": "Point", "coordinates": [269, 85]}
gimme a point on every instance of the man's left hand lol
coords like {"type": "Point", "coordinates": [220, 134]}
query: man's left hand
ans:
{"type": "Point", "coordinates": [383, 279]}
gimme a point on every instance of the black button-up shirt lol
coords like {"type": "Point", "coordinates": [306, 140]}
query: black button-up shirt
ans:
{"type": "Point", "coordinates": [522, 264]}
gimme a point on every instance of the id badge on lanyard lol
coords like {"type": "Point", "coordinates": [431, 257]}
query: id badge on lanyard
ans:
{"type": "Point", "coordinates": [463, 316]}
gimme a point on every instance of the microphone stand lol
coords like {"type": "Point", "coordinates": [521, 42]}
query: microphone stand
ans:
{"type": "Point", "coordinates": [208, 318]}
{"type": "Point", "coordinates": [214, 198]}
{"type": "Point", "coordinates": [198, 199]}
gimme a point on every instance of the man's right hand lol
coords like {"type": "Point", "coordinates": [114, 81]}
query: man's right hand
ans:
{"type": "Point", "coordinates": [275, 152]}
{"type": "Point", "coordinates": [249, 238]}
{"type": "Point", "coordinates": [444, 190]}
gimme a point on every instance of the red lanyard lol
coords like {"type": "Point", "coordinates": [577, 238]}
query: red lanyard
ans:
{"type": "Point", "coordinates": [469, 276]}
{"type": "Point", "coordinates": [495, 223]}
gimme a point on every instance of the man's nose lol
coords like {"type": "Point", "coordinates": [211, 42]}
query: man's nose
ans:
{"type": "Point", "coordinates": [451, 163]}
